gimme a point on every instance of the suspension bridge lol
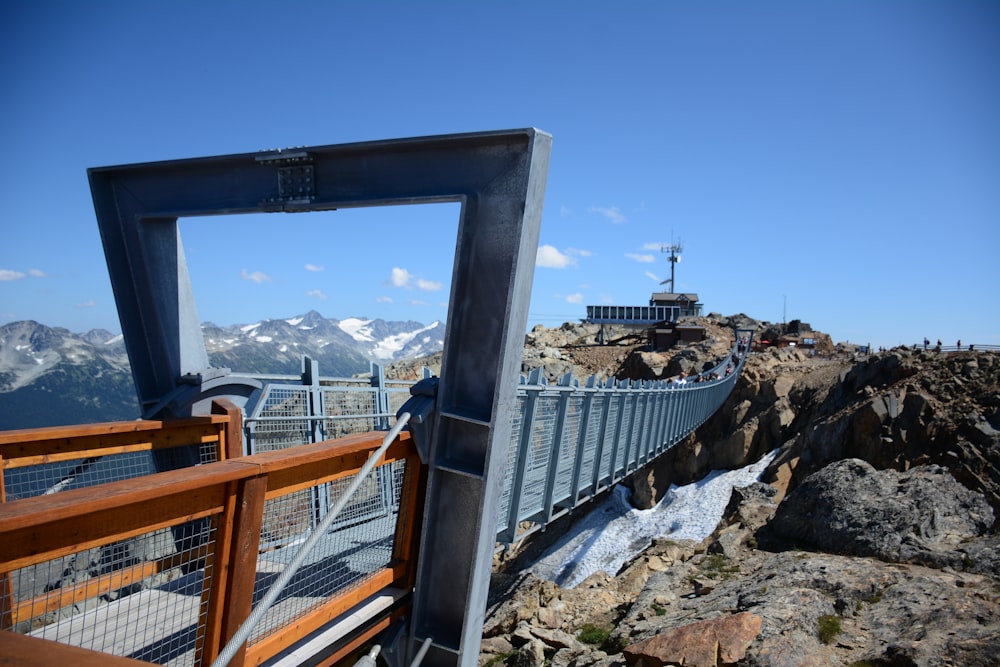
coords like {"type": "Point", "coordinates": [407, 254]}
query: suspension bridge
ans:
{"type": "Point", "coordinates": [252, 520]}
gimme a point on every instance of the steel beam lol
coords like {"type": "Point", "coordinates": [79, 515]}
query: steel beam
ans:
{"type": "Point", "coordinates": [499, 179]}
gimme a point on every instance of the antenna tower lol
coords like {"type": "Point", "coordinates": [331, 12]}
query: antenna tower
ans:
{"type": "Point", "coordinates": [675, 256]}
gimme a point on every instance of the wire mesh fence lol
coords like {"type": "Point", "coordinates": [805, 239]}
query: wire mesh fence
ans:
{"type": "Point", "coordinates": [141, 598]}
{"type": "Point", "coordinates": [358, 544]}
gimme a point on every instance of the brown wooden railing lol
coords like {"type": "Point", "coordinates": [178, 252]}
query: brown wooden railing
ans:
{"type": "Point", "coordinates": [139, 542]}
{"type": "Point", "coordinates": [219, 434]}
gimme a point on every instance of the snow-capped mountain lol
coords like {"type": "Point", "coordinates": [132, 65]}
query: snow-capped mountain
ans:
{"type": "Point", "coordinates": [48, 373]}
{"type": "Point", "coordinates": [342, 347]}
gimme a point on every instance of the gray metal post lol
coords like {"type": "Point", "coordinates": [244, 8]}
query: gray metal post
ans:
{"type": "Point", "coordinates": [558, 434]}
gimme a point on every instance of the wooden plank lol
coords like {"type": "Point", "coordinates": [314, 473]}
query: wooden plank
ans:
{"type": "Point", "coordinates": [303, 626]}
{"type": "Point", "coordinates": [6, 602]}
{"type": "Point", "coordinates": [325, 462]}
{"type": "Point", "coordinates": [172, 434]}
{"type": "Point", "coordinates": [17, 650]}
{"type": "Point", "coordinates": [233, 597]}
{"type": "Point", "coordinates": [346, 633]}
{"type": "Point", "coordinates": [46, 527]}
{"type": "Point", "coordinates": [408, 523]}
{"type": "Point", "coordinates": [101, 429]}
{"type": "Point", "coordinates": [76, 503]}
{"type": "Point", "coordinates": [361, 639]}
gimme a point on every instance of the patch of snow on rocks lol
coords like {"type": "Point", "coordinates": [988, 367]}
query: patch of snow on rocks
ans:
{"type": "Point", "coordinates": [615, 532]}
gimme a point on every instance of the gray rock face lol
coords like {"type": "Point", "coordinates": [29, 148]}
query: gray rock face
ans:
{"type": "Point", "coordinates": [901, 564]}
{"type": "Point", "coordinates": [850, 508]}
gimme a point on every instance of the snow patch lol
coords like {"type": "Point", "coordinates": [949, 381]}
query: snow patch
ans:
{"type": "Point", "coordinates": [250, 327]}
{"type": "Point", "coordinates": [263, 339]}
{"type": "Point", "coordinates": [295, 320]}
{"type": "Point", "coordinates": [356, 329]}
{"type": "Point", "coordinates": [389, 347]}
{"type": "Point", "coordinates": [615, 532]}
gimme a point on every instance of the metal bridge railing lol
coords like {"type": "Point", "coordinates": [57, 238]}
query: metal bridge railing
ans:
{"type": "Point", "coordinates": [295, 410]}
{"type": "Point", "coordinates": [569, 443]}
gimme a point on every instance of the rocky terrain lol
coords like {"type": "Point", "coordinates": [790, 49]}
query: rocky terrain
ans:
{"type": "Point", "coordinates": [872, 538]}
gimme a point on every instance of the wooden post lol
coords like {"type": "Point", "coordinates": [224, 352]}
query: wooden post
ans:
{"type": "Point", "coordinates": [6, 589]}
{"type": "Point", "coordinates": [231, 596]}
{"type": "Point", "coordinates": [234, 429]}
{"type": "Point", "coordinates": [408, 521]}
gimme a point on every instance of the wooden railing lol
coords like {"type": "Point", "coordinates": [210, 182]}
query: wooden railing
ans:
{"type": "Point", "coordinates": [220, 433]}
{"type": "Point", "coordinates": [205, 523]}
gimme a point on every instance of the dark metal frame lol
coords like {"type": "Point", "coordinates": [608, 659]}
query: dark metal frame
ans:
{"type": "Point", "coordinates": [499, 179]}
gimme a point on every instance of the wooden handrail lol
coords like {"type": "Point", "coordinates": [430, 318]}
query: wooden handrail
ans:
{"type": "Point", "coordinates": [26, 447]}
{"type": "Point", "coordinates": [231, 493]}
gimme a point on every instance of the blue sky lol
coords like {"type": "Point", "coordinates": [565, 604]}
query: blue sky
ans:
{"type": "Point", "coordinates": [836, 162]}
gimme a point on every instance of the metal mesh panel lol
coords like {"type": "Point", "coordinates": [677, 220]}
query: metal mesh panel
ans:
{"type": "Point", "coordinates": [341, 402]}
{"type": "Point", "coordinates": [593, 438]}
{"type": "Point", "coordinates": [397, 397]}
{"type": "Point", "coordinates": [638, 426]}
{"type": "Point", "coordinates": [609, 435]}
{"type": "Point", "coordinates": [37, 480]}
{"type": "Point", "coordinates": [533, 491]}
{"type": "Point", "coordinates": [359, 544]}
{"type": "Point", "coordinates": [567, 449]}
{"type": "Point", "coordinates": [628, 408]}
{"type": "Point", "coordinates": [140, 598]}
{"type": "Point", "coordinates": [279, 403]}
{"type": "Point", "coordinates": [503, 515]}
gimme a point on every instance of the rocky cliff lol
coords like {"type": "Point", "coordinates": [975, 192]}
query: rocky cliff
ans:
{"type": "Point", "coordinates": [872, 539]}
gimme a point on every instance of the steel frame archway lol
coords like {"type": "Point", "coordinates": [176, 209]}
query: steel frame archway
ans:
{"type": "Point", "coordinates": [499, 179]}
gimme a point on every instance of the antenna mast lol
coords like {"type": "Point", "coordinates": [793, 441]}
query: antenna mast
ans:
{"type": "Point", "coordinates": [674, 249]}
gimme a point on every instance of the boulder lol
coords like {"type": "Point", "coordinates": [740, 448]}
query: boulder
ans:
{"type": "Point", "coordinates": [851, 508]}
{"type": "Point", "coordinates": [722, 640]}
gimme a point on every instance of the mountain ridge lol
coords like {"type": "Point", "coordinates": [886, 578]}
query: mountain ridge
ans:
{"type": "Point", "coordinates": [50, 376]}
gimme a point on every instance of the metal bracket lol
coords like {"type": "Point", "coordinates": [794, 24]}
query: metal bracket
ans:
{"type": "Point", "coordinates": [422, 406]}
{"type": "Point", "coordinates": [296, 176]}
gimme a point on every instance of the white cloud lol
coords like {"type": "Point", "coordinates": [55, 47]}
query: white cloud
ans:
{"type": "Point", "coordinates": [550, 257]}
{"type": "Point", "coordinates": [418, 302]}
{"type": "Point", "coordinates": [255, 277]}
{"type": "Point", "coordinates": [429, 285]}
{"type": "Point", "coordinates": [578, 252]}
{"type": "Point", "coordinates": [612, 213]}
{"type": "Point", "coordinates": [313, 267]}
{"type": "Point", "coordinates": [565, 211]}
{"type": "Point", "coordinates": [316, 293]}
{"type": "Point", "coordinates": [574, 298]}
{"type": "Point", "coordinates": [383, 299]}
{"type": "Point", "coordinates": [86, 304]}
{"type": "Point", "coordinates": [644, 259]}
{"type": "Point", "coordinates": [400, 277]}
{"type": "Point", "coordinates": [403, 278]}
{"type": "Point", "coordinates": [7, 274]}
{"type": "Point", "coordinates": [652, 276]}
{"type": "Point", "coordinates": [36, 273]}
{"type": "Point", "coordinates": [652, 246]}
